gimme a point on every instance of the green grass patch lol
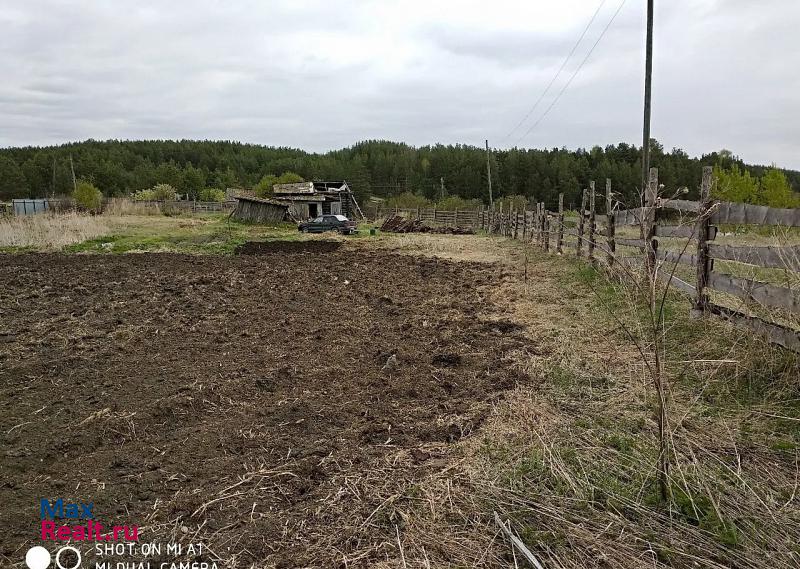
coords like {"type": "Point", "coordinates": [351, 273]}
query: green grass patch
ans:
{"type": "Point", "coordinates": [198, 234]}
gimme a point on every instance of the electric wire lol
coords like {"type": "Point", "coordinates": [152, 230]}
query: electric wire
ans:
{"type": "Point", "coordinates": [568, 83]}
{"type": "Point", "coordinates": [560, 69]}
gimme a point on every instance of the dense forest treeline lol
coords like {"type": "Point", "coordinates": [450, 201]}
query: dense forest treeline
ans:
{"type": "Point", "coordinates": [372, 168]}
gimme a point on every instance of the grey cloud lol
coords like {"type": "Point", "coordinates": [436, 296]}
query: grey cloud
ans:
{"type": "Point", "coordinates": [322, 75]}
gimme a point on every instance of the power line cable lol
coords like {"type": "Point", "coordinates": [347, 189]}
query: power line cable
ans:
{"type": "Point", "coordinates": [568, 83]}
{"type": "Point", "coordinates": [560, 69]}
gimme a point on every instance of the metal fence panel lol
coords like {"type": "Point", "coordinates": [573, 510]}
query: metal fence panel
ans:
{"type": "Point", "coordinates": [29, 207]}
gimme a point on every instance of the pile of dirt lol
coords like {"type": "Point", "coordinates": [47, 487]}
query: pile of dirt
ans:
{"type": "Point", "coordinates": [273, 247]}
{"type": "Point", "coordinates": [399, 224]}
{"type": "Point", "coordinates": [270, 410]}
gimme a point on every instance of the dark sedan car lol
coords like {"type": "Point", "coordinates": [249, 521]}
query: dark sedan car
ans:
{"type": "Point", "coordinates": [329, 223]}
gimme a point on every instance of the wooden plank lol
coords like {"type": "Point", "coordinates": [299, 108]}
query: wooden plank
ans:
{"type": "Point", "coordinates": [765, 294]}
{"type": "Point", "coordinates": [671, 280]}
{"type": "Point", "coordinates": [771, 257]}
{"type": "Point", "coordinates": [675, 257]}
{"type": "Point", "coordinates": [629, 216]}
{"type": "Point", "coordinates": [775, 333]}
{"type": "Point", "coordinates": [631, 242]}
{"type": "Point", "coordinates": [680, 205]}
{"type": "Point", "coordinates": [516, 542]}
{"type": "Point", "coordinates": [664, 276]}
{"type": "Point", "coordinates": [748, 214]}
{"type": "Point", "coordinates": [598, 218]}
{"type": "Point", "coordinates": [684, 231]}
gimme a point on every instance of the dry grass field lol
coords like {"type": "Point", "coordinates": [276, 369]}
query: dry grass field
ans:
{"type": "Point", "coordinates": [49, 232]}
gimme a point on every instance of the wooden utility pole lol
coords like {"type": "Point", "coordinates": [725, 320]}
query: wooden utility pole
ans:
{"type": "Point", "coordinates": [489, 171]}
{"type": "Point", "coordinates": [72, 167]}
{"type": "Point", "coordinates": [592, 220]}
{"type": "Point", "coordinates": [53, 184]}
{"type": "Point", "coordinates": [441, 186]}
{"type": "Point", "coordinates": [648, 92]}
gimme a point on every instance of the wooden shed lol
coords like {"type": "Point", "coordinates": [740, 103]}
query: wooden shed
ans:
{"type": "Point", "coordinates": [259, 210]}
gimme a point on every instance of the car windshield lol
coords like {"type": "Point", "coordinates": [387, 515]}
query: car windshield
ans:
{"type": "Point", "coordinates": [340, 217]}
{"type": "Point", "coordinates": [317, 220]}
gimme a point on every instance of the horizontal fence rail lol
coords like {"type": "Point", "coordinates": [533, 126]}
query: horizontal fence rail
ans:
{"type": "Point", "coordinates": [661, 222]}
{"type": "Point", "coordinates": [191, 206]}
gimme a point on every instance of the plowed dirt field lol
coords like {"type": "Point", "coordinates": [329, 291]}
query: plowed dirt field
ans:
{"type": "Point", "coordinates": [270, 406]}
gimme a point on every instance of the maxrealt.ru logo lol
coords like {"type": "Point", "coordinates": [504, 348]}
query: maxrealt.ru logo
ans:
{"type": "Point", "coordinates": [86, 528]}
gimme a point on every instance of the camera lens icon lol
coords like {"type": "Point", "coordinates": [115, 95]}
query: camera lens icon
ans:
{"type": "Point", "coordinates": [77, 557]}
{"type": "Point", "coordinates": [39, 558]}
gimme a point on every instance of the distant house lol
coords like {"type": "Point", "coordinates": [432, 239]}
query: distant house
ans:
{"type": "Point", "coordinates": [311, 199]}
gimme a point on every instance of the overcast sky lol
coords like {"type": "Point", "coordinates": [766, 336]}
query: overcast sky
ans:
{"type": "Point", "coordinates": [325, 74]}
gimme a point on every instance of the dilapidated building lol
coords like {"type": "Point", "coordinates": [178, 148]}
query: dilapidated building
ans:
{"type": "Point", "coordinates": [257, 210]}
{"type": "Point", "coordinates": [311, 199]}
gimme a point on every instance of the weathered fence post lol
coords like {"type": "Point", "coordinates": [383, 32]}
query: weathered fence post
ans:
{"type": "Point", "coordinates": [546, 229]}
{"type": "Point", "coordinates": [514, 218]}
{"type": "Point", "coordinates": [703, 263]}
{"type": "Point", "coordinates": [455, 218]}
{"type": "Point", "coordinates": [581, 216]}
{"type": "Point", "coordinates": [592, 220]}
{"type": "Point", "coordinates": [542, 222]}
{"type": "Point", "coordinates": [610, 228]}
{"type": "Point", "coordinates": [434, 214]}
{"type": "Point", "coordinates": [651, 202]}
{"type": "Point", "coordinates": [525, 222]}
{"type": "Point", "coordinates": [560, 241]}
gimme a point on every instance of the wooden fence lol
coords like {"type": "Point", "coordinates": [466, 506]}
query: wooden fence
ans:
{"type": "Point", "coordinates": [432, 216]}
{"type": "Point", "coordinates": [595, 237]}
{"type": "Point", "coordinates": [191, 205]}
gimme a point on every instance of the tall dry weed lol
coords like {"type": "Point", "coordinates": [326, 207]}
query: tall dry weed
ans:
{"type": "Point", "coordinates": [124, 206]}
{"type": "Point", "coordinates": [50, 232]}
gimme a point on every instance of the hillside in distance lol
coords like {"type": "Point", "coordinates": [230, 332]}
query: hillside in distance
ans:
{"type": "Point", "coordinates": [372, 168]}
